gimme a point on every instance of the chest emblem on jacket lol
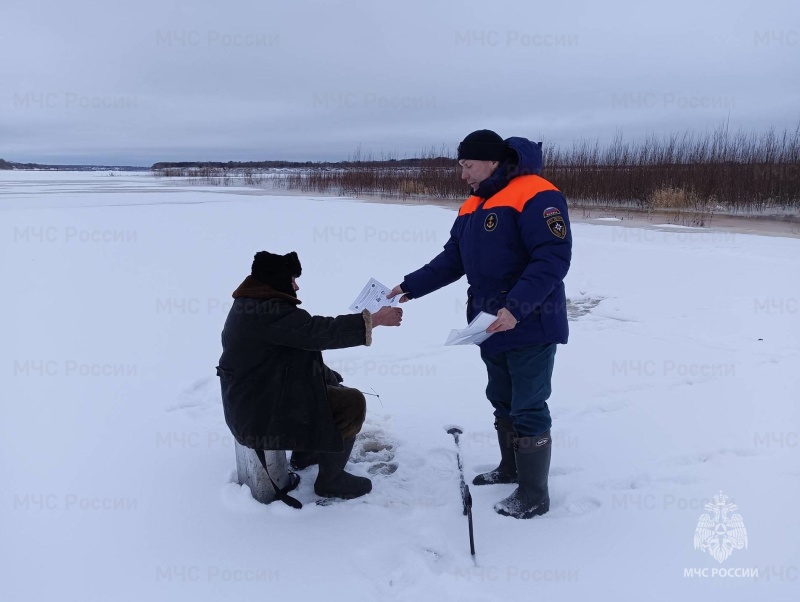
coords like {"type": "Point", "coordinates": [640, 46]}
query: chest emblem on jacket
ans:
{"type": "Point", "coordinates": [491, 222]}
{"type": "Point", "coordinates": [557, 226]}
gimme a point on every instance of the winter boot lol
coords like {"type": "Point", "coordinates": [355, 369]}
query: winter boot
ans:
{"type": "Point", "coordinates": [333, 481]}
{"type": "Point", "coordinates": [531, 498]}
{"type": "Point", "coordinates": [507, 471]}
{"type": "Point", "coordinates": [301, 459]}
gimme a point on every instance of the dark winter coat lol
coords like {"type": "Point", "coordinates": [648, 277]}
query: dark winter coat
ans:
{"type": "Point", "coordinates": [513, 240]}
{"type": "Point", "coordinates": [271, 370]}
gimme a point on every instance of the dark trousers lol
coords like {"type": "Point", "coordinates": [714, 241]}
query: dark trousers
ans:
{"type": "Point", "coordinates": [519, 386]}
{"type": "Point", "coordinates": [349, 409]}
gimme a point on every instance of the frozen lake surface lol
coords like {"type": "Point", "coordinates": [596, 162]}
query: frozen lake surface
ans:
{"type": "Point", "coordinates": [681, 380]}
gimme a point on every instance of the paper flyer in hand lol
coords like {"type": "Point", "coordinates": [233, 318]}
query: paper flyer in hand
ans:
{"type": "Point", "coordinates": [474, 333]}
{"type": "Point", "coordinates": [372, 297]}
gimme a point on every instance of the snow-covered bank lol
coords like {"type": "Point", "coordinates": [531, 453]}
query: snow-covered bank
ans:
{"type": "Point", "coordinates": [680, 380]}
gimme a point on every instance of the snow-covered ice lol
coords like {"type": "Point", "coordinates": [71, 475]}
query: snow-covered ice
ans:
{"type": "Point", "coordinates": [681, 380]}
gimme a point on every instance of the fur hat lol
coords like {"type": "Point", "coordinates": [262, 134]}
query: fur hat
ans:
{"type": "Point", "coordinates": [483, 145]}
{"type": "Point", "coordinates": [277, 270]}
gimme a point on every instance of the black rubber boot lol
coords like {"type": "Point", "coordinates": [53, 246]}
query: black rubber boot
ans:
{"type": "Point", "coordinates": [301, 459]}
{"type": "Point", "coordinates": [531, 498]}
{"type": "Point", "coordinates": [506, 472]}
{"type": "Point", "coordinates": [333, 481]}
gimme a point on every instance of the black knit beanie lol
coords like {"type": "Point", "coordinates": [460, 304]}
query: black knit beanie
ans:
{"type": "Point", "coordinates": [277, 270]}
{"type": "Point", "coordinates": [483, 145]}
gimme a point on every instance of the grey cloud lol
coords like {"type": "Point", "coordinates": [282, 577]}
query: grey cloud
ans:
{"type": "Point", "coordinates": [148, 81]}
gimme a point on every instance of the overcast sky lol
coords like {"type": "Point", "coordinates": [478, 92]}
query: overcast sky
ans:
{"type": "Point", "coordinates": [91, 81]}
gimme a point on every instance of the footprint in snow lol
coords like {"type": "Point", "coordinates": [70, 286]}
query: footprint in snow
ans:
{"type": "Point", "coordinates": [375, 448]}
{"type": "Point", "coordinates": [581, 307]}
{"type": "Point", "coordinates": [574, 505]}
{"type": "Point", "coordinates": [200, 398]}
{"type": "Point", "coordinates": [382, 468]}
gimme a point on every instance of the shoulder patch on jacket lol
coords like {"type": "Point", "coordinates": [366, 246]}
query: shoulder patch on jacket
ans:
{"type": "Point", "coordinates": [519, 191]}
{"type": "Point", "coordinates": [557, 226]}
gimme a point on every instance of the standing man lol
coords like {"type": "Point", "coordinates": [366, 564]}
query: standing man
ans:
{"type": "Point", "coordinates": [512, 238]}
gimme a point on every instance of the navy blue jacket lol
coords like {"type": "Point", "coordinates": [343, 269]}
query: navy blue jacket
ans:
{"type": "Point", "coordinates": [513, 240]}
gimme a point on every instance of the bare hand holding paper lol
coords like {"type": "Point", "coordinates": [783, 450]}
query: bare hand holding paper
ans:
{"type": "Point", "coordinates": [474, 333]}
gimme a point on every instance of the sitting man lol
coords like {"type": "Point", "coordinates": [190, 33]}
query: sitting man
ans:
{"type": "Point", "coordinates": [276, 391]}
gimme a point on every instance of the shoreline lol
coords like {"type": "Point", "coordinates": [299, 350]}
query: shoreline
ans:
{"type": "Point", "coordinates": [767, 225]}
{"type": "Point", "coordinates": [787, 226]}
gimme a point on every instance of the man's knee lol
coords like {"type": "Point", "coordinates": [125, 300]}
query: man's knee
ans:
{"type": "Point", "coordinates": [358, 407]}
{"type": "Point", "coordinates": [349, 408]}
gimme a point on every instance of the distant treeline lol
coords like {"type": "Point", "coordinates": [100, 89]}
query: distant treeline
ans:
{"type": "Point", "coordinates": [40, 166]}
{"type": "Point", "coordinates": [414, 162]}
{"type": "Point", "coordinates": [705, 173]}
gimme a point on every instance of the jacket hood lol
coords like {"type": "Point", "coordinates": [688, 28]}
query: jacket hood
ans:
{"type": "Point", "coordinates": [525, 159]}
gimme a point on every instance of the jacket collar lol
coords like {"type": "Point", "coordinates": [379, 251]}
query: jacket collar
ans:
{"type": "Point", "coordinates": [255, 289]}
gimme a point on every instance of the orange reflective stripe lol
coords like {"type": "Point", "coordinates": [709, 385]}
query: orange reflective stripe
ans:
{"type": "Point", "coordinates": [470, 205]}
{"type": "Point", "coordinates": [518, 192]}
